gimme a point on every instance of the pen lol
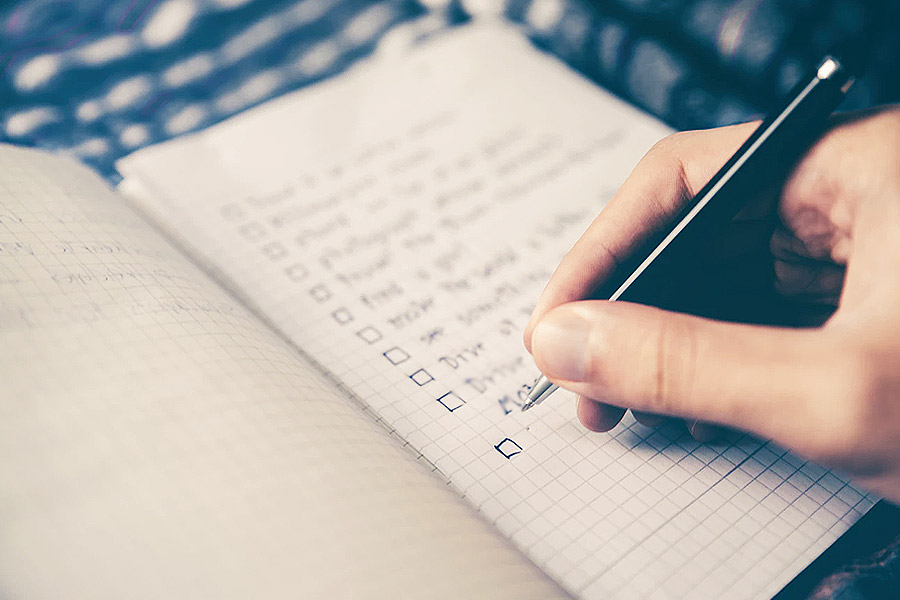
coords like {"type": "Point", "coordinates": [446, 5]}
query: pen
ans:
{"type": "Point", "coordinates": [762, 163]}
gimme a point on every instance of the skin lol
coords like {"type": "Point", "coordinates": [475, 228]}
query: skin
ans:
{"type": "Point", "coordinates": [823, 254]}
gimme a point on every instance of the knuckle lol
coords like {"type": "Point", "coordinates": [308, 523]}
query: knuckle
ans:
{"type": "Point", "coordinates": [664, 164]}
{"type": "Point", "coordinates": [602, 379]}
{"type": "Point", "coordinates": [662, 147]}
{"type": "Point", "coordinates": [672, 360]}
{"type": "Point", "coordinates": [666, 149]}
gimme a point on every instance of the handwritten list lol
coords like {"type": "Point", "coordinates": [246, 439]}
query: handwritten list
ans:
{"type": "Point", "coordinates": [397, 225]}
{"type": "Point", "coordinates": [158, 440]}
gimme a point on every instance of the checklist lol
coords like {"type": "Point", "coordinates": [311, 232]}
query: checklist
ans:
{"type": "Point", "coordinates": [427, 216]}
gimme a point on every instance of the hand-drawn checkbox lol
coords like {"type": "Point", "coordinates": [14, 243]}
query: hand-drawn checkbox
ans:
{"type": "Point", "coordinates": [508, 448]}
{"type": "Point", "coordinates": [320, 293]}
{"type": "Point", "coordinates": [421, 377]}
{"type": "Point", "coordinates": [396, 355]}
{"type": "Point", "coordinates": [274, 250]}
{"type": "Point", "coordinates": [296, 272]}
{"type": "Point", "coordinates": [342, 316]}
{"type": "Point", "coordinates": [252, 232]}
{"type": "Point", "coordinates": [451, 401]}
{"type": "Point", "coordinates": [369, 334]}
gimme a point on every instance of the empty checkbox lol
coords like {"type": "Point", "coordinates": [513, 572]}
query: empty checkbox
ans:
{"type": "Point", "coordinates": [421, 377]}
{"type": "Point", "coordinates": [508, 448]}
{"type": "Point", "coordinates": [342, 316]}
{"type": "Point", "coordinates": [296, 272]}
{"type": "Point", "coordinates": [369, 334]}
{"type": "Point", "coordinates": [274, 250]}
{"type": "Point", "coordinates": [396, 355]}
{"type": "Point", "coordinates": [451, 401]}
{"type": "Point", "coordinates": [320, 293]}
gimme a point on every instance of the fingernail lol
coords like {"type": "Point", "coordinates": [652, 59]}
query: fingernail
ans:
{"type": "Point", "coordinates": [707, 432]}
{"type": "Point", "coordinates": [560, 345]}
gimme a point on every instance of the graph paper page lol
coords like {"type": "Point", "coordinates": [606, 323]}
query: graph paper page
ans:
{"type": "Point", "coordinates": [158, 441]}
{"type": "Point", "coordinates": [398, 223]}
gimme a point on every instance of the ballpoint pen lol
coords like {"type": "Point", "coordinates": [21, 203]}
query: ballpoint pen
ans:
{"type": "Point", "coordinates": [760, 164]}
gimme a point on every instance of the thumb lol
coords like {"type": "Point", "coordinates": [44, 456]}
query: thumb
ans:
{"type": "Point", "coordinates": [759, 379]}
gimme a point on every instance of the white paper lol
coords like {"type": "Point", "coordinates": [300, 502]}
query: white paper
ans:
{"type": "Point", "coordinates": [398, 224]}
{"type": "Point", "coordinates": [158, 441]}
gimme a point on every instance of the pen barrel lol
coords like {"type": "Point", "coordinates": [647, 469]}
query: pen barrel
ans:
{"type": "Point", "coordinates": [760, 166]}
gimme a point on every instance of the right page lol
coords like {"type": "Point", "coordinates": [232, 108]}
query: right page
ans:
{"type": "Point", "coordinates": [397, 224]}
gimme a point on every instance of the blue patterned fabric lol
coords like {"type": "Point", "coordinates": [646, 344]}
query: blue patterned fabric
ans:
{"type": "Point", "coordinates": [101, 78]}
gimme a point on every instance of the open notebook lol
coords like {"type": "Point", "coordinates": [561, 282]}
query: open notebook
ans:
{"type": "Point", "coordinates": [191, 391]}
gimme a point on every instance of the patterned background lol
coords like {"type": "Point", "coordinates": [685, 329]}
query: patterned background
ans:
{"type": "Point", "coordinates": [101, 78]}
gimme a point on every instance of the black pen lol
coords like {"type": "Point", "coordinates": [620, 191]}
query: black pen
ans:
{"type": "Point", "coordinates": [763, 161]}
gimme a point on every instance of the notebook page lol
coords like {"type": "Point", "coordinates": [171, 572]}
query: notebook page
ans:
{"type": "Point", "coordinates": [156, 441]}
{"type": "Point", "coordinates": [398, 223]}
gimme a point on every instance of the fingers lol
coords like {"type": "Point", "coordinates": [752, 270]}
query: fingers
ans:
{"type": "Point", "coordinates": [653, 361]}
{"type": "Point", "coordinates": [843, 172]}
{"type": "Point", "coordinates": [600, 417]}
{"type": "Point", "coordinates": [660, 185]}
{"type": "Point", "coordinates": [649, 419]}
{"type": "Point", "coordinates": [597, 416]}
{"type": "Point", "coordinates": [813, 282]}
{"type": "Point", "coordinates": [706, 432]}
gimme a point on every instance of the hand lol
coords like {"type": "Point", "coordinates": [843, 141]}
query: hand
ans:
{"type": "Point", "coordinates": [831, 392]}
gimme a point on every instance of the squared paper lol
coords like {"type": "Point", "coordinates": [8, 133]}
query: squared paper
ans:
{"type": "Point", "coordinates": [157, 440]}
{"type": "Point", "coordinates": [432, 195]}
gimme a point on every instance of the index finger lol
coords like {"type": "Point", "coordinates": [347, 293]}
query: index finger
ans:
{"type": "Point", "coordinates": [662, 182]}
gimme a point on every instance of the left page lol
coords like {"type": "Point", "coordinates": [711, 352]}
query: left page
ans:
{"type": "Point", "coordinates": [398, 223]}
{"type": "Point", "coordinates": [158, 441]}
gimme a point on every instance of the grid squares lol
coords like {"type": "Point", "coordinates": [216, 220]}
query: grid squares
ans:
{"type": "Point", "coordinates": [619, 472]}
{"type": "Point", "coordinates": [320, 293]}
{"type": "Point", "coordinates": [369, 334]}
{"type": "Point", "coordinates": [205, 379]}
{"type": "Point", "coordinates": [396, 356]}
{"type": "Point", "coordinates": [274, 251]}
{"type": "Point", "coordinates": [342, 316]}
{"type": "Point", "coordinates": [296, 272]}
{"type": "Point", "coordinates": [509, 448]}
{"type": "Point", "coordinates": [422, 377]}
{"type": "Point", "coordinates": [451, 401]}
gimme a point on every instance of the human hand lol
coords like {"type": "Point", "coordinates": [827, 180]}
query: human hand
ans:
{"type": "Point", "coordinates": [831, 392]}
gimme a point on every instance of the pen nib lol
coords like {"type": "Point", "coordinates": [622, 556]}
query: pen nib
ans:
{"type": "Point", "coordinates": [539, 392]}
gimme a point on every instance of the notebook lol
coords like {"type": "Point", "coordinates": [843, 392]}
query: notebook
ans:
{"type": "Point", "coordinates": [284, 359]}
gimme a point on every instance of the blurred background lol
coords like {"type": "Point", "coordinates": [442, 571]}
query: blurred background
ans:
{"type": "Point", "coordinates": [101, 78]}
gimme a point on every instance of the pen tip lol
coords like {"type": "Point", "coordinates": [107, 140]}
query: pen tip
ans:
{"type": "Point", "coordinates": [539, 391]}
